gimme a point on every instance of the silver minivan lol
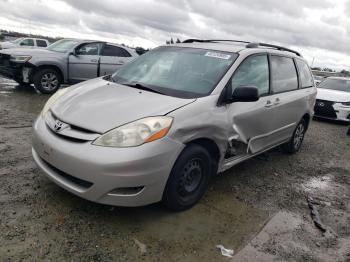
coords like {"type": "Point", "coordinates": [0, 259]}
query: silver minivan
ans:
{"type": "Point", "coordinates": [162, 125]}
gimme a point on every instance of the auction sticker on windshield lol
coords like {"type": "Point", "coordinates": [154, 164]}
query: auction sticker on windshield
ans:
{"type": "Point", "coordinates": [218, 55]}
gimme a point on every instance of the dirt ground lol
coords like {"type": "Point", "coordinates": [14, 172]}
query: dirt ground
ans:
{"type": "Point", "coordinates": [258, 208]}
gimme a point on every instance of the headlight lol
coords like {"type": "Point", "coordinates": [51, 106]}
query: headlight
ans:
{"type": "Point", "coordinates": [52, 100]}
{"type": "Point", "coordinates": [20, 58]}
{"type": "Point", "coordinates": [346, 104]}
{"type": "Point", "coordinates": [136, 133]}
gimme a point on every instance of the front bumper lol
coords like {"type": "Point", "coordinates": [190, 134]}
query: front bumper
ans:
{"type": "Point", "coordinates": [332, 110]}
{"type": "Point", "coordinates": [15, 71]}
{"type": "Point", "coordinates": [98, 173]}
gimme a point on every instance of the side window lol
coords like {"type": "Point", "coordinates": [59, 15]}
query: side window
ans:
{"type": "Point", "coordinates": [254, 71]}
{"type": "Point", "coordinates": [284, 75]}
{"type": "Point", "coordinates": [41, 43]}
{"type": "Point", "coordinates": [305, 74]}
{"type": "Point", "coordinates": [27, 42]}
{"type": "Point", "coordinates": [88, 49]}
{"type": "Point", "coordinates": [111, 50]}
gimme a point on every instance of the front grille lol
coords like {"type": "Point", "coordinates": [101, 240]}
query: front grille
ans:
{"type": "Point", "coordinates": [325, 108]}
{"type": "Point", "coordinates": [67, 131]}
{"type": "Point", "coordinates": [77, 181]}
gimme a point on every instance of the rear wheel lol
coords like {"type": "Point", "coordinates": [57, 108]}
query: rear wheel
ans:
{"type": "Point", "coordinates": [47, 80]}
{"type": "Point", "coordinates": [297, 139]}
{"type": "Point", "coordinates": [188, 179]}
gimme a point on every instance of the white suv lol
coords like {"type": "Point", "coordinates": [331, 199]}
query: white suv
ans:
{"type": "Point", "coordinates": [25, 42]}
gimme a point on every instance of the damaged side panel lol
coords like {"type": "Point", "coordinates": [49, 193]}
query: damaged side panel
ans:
{"type": "Point", "coordinates": [207, 121]}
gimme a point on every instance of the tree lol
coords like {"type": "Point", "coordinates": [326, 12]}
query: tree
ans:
{"type": "Point", "coordinates": [178, 40]}
{"type": "Point", "coordinates": [171, 41]}
{"type": "Point", "coordinates": [345, 73]}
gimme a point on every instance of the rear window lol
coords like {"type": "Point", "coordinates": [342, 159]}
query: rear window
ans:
{"type": "Point", "coordinates": [305, 74]}
{"type": "Point", "coordinates": [284, 75]}
{"type": "Point", "coordinates": [110, 50]}
{"type": "Point", "coordinates": [41, 43]}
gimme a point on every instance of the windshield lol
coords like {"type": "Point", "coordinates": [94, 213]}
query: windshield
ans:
{"type": "Point", "coordinates": [62, 46]}
{"type": "Point", "coordinates": [336, 84]}
{"type": "Point", "coordinates": [16, 41]}
{"type": "Point", "coordinates": [176, 71]}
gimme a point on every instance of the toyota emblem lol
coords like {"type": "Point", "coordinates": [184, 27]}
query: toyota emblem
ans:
{"type": "Point", "coordinates": [321, 104]}
{"type": "Point", "coordinates": [59, 126]}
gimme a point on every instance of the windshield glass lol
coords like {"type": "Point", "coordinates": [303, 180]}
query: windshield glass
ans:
{"type": "Point", "coordinates": [63, 45]}
{"type": "Point", "coordinates": [176, 71]}
{"type": "Point", "coordinates": [336, 84]}
{"type": "Point", "coordinates": [16, 41]}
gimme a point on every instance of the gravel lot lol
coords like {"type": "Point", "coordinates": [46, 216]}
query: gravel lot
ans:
{"type": "Point", "coordinates": [40, 221]}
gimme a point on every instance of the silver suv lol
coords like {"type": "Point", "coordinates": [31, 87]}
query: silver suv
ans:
{"type": "Point", "coordinates": [162, 125]}
{"type": "Point", "coordinates": [65, 61]}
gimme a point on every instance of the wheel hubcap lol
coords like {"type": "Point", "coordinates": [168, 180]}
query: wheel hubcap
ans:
{"type": "Point", "coordinates": [190, 178]}
{"type": "Point", "coordinates": [299, 136]}
{"type": "Point", "coordinates": [49, 81]}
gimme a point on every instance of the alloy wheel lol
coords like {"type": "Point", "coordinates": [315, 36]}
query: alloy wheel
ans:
{"type": "Point", "coordinates": [299, 136]}
{"type": "Point", "coordinates": [49, 81]}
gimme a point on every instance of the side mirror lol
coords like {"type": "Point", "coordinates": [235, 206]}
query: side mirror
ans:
{"type": "Point", "coordinates": [73, 53]}
{"type": "Point", "coordinates": [245, 94]}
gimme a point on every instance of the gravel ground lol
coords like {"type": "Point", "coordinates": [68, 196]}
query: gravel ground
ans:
{"type": "Point", "coordinates": [40, 221]}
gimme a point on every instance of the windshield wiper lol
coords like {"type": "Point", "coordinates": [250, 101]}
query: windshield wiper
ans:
{"type": "Point", "coordinates": [141, 86]}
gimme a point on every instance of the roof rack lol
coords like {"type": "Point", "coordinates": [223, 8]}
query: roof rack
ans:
{"type": "Point", "coordinates": [213, 40]}
{"type": "Point", "coordinates": [280, 48]}
{"type": "Point", "coordinates": [249, 44]}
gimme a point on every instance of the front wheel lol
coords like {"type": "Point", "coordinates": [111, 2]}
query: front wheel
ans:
{"type": "Point", "coordinates": [294, 144]}
{"type": "Point", "coordinates": [47, 80]}
{"type": "Point", "coordinates": [189, 178]}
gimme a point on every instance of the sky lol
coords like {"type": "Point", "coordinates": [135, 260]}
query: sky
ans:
{"type": "Point", "coordinates": [319, 29]}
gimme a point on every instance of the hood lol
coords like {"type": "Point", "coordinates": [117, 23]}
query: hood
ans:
{"type": "Point", "coordinates": [99, 105]}
{"type": "Point", "coordinates": [29, 51]}
{"type": "Point", "coordinates": [7, 44]}
{"type": "Point", "coordinates": [333, 95]}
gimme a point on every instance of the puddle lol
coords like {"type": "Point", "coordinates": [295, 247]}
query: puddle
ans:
{"type": "Point", "coordinates": [6, 92]}
{"type": "Point", "coordinates": [24, 99]}
{"type": "Point", "coordinates": [318, 183]}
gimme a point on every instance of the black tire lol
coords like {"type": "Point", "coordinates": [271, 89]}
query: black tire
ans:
{"type": "Point", "coordinates": [47, 80]}
{"type": "Point", "coordinates": [188, 179]}
{"type": "Point", "coordinates": [294, 144]}
{"type": "Point", "coordinates": [348, 133]}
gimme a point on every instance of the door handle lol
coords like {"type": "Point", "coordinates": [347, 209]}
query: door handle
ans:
{"type": "Point", "coordinates": [277, 101]}
{"type": "Point", "coordinates": [268, 104]}
{"type": "Point", "coordinates": [94, 60]}
{"type": "Point", "coordinates": [121, 62]}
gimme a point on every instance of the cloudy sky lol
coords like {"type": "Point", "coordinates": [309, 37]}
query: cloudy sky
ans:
{"type": "Point", "coordinates": [320, 29]}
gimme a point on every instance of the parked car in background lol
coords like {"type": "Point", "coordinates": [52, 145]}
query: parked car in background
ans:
{"type": "Point", "coordinates": [318, 79]}
{"type": "Point", "coordinates": [65, 61]}
{"type": "Point", "coordinates": [162, 125]}
{"type": "Point", "coordinates": [25, 42]}
{"type": "Point", "coordinates": [333, 99]}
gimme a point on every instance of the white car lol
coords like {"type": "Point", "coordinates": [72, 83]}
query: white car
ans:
{"type": "Point", "coordinates": [26, 42]}
{"type": "Point", "coordinates": [333, 99]}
